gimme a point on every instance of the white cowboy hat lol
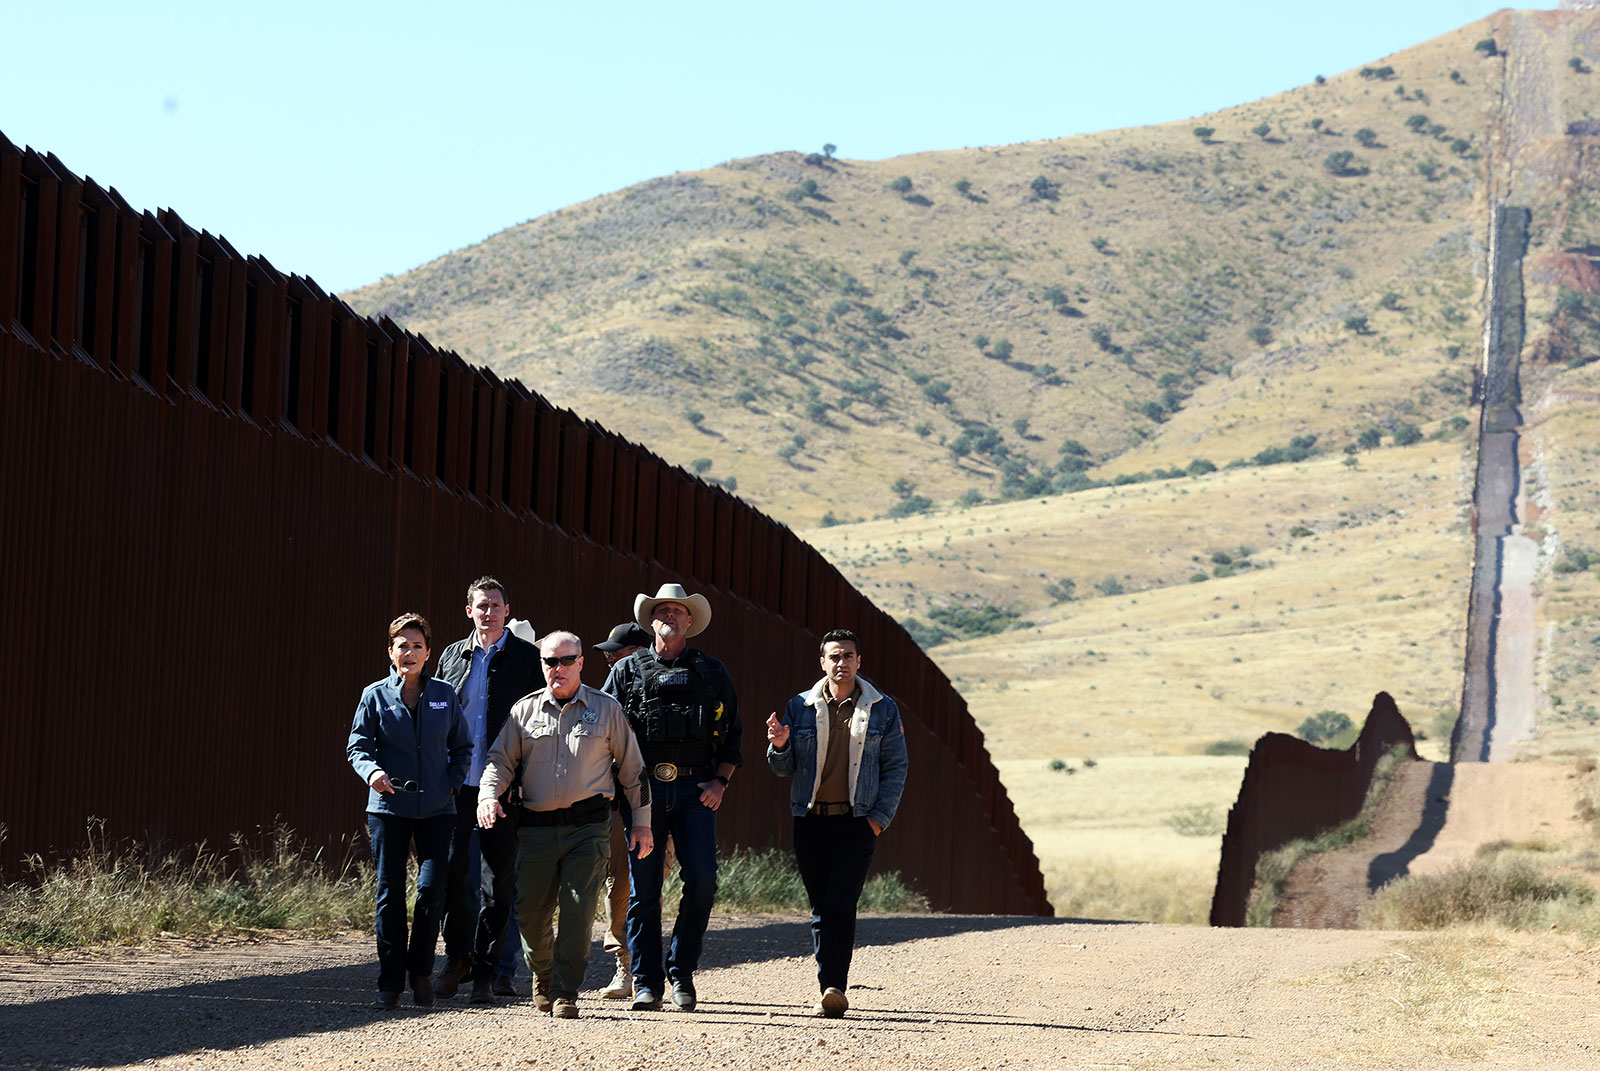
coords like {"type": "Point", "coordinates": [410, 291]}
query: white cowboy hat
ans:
{"type": "Point", "coordinates": [699, 608]}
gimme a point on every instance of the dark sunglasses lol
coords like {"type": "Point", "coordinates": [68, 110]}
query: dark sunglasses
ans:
{"type": "Point", "coordinates": [561, 660]}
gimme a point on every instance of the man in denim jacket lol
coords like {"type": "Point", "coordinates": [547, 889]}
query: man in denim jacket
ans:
{"type": "Point", "coordinates": [843, 744]}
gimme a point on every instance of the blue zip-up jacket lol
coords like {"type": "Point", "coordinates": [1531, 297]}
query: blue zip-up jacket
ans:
{"type": "Point", "coordinates": [877, 752]}
{"type": "Point", "coordinates": [433, 750]}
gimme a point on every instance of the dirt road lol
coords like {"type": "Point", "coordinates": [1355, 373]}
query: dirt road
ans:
{"type": "Point", "coordinates": [930, 992]}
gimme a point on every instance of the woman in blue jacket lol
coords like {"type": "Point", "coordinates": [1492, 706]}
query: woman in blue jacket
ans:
{"type": "Point", "coordinates": [410, 744]}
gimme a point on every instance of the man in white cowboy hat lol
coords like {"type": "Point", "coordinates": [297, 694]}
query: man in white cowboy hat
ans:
{"type": "Point", "coordinates": [681, 704]}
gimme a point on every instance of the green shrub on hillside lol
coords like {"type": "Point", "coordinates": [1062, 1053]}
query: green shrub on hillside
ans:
{"type": "Point", "coordinates": [1405, 434]}
{"type": "Point", "coordinates": [1342, 162]}
{"type": "Point", "coordinates": [1323, 726]}
{"type": "Point", "coordinates": [911, 505]}
{"type": "Point", "coordinates": [924, 635]}
{"type": "Point", "coordinates": [986, 620]}
{"type": "Point", "coordinates": [1576, 561]}
{"type": "Point", "coordinates": [1060, 590]}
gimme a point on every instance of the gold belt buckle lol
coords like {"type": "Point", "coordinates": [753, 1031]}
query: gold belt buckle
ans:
{"type": "Point", "coordinates": [665, 771]}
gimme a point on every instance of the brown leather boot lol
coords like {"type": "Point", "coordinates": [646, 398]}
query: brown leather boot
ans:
{"type": "Point", "coordinates": [456, 970]}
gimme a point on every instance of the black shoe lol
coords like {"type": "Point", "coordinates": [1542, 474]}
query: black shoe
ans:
{"type": "Point", "coordinates": [503, 986]}
{"type": "Point", "coordinates": [646, 1000]}
{"type": "Point", "coordinates": [422, 990]}
{"type": "Point", "coordinates": [482, 993]}
{"type": "Point", "coordinates": [387, 1000]}
{"type": "Point", "coordinates": [683, 993]}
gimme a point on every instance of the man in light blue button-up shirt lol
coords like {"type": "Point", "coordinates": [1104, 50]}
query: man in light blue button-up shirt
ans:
{"type": "Point", "coordinates": [490, 670]}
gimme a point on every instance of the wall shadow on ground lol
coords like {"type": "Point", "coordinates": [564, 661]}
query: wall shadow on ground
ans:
{"type": "Point", "coordinates": [112, 1029]}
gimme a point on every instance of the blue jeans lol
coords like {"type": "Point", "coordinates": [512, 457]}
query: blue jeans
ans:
{"type": "Point", "coordinates": [392, 841]}
{"type": "Point", "coordinates": [675, 810]}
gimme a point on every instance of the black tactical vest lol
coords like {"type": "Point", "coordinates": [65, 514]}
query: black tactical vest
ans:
{"type": "Point", "coordinates": [677, 708]}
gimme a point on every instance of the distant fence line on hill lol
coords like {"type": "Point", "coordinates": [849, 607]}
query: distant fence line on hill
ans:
{"type": "Point", "coordinates": [1294, 790]}
{"type": "Point", "coordinates": [219, 483]}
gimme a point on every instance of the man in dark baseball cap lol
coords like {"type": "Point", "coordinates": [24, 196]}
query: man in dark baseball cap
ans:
{"type": "Point", "coordinates": [625, 639]}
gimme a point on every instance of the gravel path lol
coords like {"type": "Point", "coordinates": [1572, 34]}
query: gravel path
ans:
{"type": "Point", "coordinates": [930, 992]}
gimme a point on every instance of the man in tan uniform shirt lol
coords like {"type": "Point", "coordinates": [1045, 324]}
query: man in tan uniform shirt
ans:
{"type": "Point", "coordinates": [565, 738]}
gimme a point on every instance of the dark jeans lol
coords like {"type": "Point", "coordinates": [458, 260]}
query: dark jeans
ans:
{"type": "Point", "coordinates": [833, 854]}
{"type": "Point", "coordinates": [470, 881]}
{"type": "Point", "coordinates": [675, 810]}
{"type": "Point", "coordinates": [497, 946]}
{"type": "Point", "coordinates": [392, 841]}
{"type": "Point", "coordinates": [461, 894]}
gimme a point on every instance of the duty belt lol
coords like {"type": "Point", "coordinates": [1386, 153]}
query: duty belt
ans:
{"type": "Point", "coordinates": [668, 771]}
{"type": "Point", "coordinates": [593, 809]}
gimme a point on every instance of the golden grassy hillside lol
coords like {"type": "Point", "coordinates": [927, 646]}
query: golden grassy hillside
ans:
{"type": "Point", "coordinates": [1152, 295]}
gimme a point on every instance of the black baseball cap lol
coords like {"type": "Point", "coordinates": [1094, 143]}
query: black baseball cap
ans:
{"type": "Point", "coordinates": [627, 634]}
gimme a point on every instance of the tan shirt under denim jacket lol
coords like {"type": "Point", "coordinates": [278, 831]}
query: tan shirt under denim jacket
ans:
{"type": "Point", "coordinates": [566, 751]}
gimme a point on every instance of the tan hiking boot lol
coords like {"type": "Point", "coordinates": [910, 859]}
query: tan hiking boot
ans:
{"type": "Point", "coordinates": [566, 1009]}
{"type": "Point", "coordinates": [833, 1004]}
{"type": "Point", "coordinates": [621, 987]}
{"type": "Point", "coordinates": [541, 996]}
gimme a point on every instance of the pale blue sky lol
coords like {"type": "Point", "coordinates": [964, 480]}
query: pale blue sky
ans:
{"type": "Point", "coordinates": [346, 141]}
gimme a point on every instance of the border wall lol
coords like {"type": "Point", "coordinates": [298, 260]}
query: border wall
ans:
{"type": "Point", "coordinates": [218, 484]}
{"type": "Point", "coordinates": [1294, 790]}
{"type": "Point", "coordinates": [1495, 480]}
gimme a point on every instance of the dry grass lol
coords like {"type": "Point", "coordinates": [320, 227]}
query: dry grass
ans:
{"type": "Point", "coordinates": [1528, 885]}
{"type": "Point", "coordinates": [1448, 992]}
{"type": "Point", "coordinates": [125, 894]}
{"type": "Point", "coordinates": [1372, 600]}
{"type": "Point", "coordinates": [1106, 835]}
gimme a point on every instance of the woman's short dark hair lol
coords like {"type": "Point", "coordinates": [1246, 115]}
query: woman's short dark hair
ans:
{"type": "Point", "coordinates": [416, 621]}
{"type": "Point", "coordinates": [839, 635]}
